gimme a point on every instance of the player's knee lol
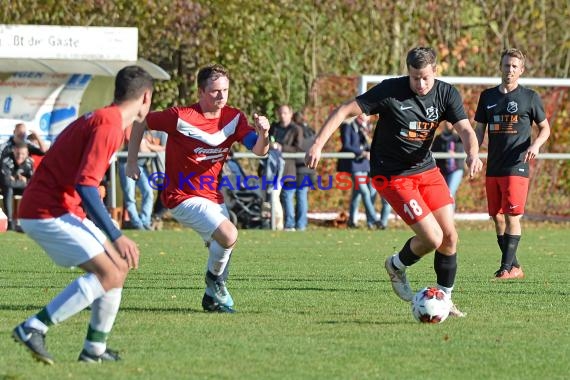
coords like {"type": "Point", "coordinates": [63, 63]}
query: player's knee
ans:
{"type": "Point", "coordinates": [450, 239]}
{"type": "Point", "coordinates": [226, 235]}
{"type": "Point", "coordinates": [433, 240]}
{"type": "Point", "coordinates": [114, 278]}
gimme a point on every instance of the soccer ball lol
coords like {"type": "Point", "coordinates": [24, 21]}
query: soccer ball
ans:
{"type": "Point", "coordinates": [431, 305]}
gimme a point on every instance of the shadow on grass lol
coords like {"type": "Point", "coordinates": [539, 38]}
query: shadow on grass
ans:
{"type": "Point", "coordinates": [361, 322]}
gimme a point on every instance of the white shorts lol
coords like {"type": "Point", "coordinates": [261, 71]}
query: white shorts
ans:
{"type": "Point", "coordinates": [67, 239]}
{"type": "Point", "coordinates": [202, 215]}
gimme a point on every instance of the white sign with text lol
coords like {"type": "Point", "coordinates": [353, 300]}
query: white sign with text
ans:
{"type": "Point", "coordinates": [68, 42]}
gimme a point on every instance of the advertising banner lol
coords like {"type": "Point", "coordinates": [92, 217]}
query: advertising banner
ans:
{"type": "Point", "coordinates": [45, 102]}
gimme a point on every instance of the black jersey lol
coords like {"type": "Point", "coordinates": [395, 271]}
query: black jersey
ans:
{"type": "Point", "coordinates": [407, 124]}
{"type": "Point", "coordinates": [509, 119]}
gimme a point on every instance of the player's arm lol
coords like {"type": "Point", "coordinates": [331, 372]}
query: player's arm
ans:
{"type": "Point", "coordinates": [480, 129]}
{"type": "Point", "coordinates": [543, 134]}
{"type": "Point", "coordinates": [137, 132]}
{"type": "Point", "coordinates": [258, 141]}
{"type": "Point", "coordinates": [93, 205]}
{"type": "Point", "coordinates": [341, 113]}
{"type": "Point", "coordinates": [471, 145]}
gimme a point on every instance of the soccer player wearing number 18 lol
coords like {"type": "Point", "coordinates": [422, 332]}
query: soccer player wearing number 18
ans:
{"type": "Point", "coordinates": [508, 111]}
{"type": "Point", "coordinates": [403, 169]}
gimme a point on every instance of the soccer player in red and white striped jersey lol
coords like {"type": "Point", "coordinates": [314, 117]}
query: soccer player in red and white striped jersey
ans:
{"type": "Point", "coordinates": [200, 137]}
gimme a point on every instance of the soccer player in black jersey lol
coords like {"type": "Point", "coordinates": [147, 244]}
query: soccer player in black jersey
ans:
{"type": "Point", "coordinates": [508, 112]}
{"type": "Point", "coordinates": [403, 169]}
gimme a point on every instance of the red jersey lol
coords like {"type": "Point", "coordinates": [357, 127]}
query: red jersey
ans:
{"type": "Point", "coordinates": [80, 156]}
{"type": "Point", "coordinates": [196, 150]}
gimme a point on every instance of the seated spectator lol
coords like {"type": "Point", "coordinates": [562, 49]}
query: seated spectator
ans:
{"type": "Point", "coordinates": [36, 146]}
{"type": "Point", "coordinates": [17, 169]}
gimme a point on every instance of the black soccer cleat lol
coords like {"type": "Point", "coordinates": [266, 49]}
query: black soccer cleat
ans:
{"type": "Point", "coordinates": [107, 356]}
{"type": "Point", "coordinates": [34, 341]}
{"type": "Point", "coordinates": [211, 306]}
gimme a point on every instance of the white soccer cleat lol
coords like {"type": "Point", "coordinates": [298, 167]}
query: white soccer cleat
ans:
{"type": "Point", "coordinates": [399, 281]}
{"type": "Point", "coordinates": [455, 312]}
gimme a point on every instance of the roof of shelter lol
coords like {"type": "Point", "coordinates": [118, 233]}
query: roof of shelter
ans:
{"type": "Point", "coordinates": [74, 66]}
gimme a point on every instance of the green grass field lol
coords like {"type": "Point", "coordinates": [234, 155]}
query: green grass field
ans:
{"type": "Point", "coordinates": [312, 305]}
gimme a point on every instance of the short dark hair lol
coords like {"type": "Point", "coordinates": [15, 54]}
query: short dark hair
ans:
{"type": "Point", "coordinates": [212, 72]}
{"type": "Point", "coordinates": [20, 145]}
{"type": "Point", "coordinates": [131, 82]}
{"type": "Point", "coordinates": [420, 57]}
{"type": "Point", "coordinates": [515, 53]}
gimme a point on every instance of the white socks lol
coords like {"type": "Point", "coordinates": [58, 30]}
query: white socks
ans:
{"type": "Point", "coordinates": [76, 297]}
{"type": "Point", "coordinates": [218, 258]}
{"type": "Point", "coordinates": [103, 313]}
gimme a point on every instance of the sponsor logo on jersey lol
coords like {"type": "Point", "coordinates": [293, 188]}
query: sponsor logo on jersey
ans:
{"type": "Point", "coordinates": [403, 108]}
{"type": "Point", "coordinates": [211, 154]}
{"type": "Point", "coordinates": [491, 106]}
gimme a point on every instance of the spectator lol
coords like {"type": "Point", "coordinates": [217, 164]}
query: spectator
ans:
{"type": "Point", "coordinates": [355, 139]}
{"type": "Point", "coordinates": [448, 141]}
{"type": "Point", "coordinates": [306, 178]}
{"type": "Point", "coordinates": [17, 169]}
{"type": "Point", "coordinates": [36, 146]}
{"type": "Point", "coordinates": [156, 142]}
{"type": "Point", "coordinates": [137, 220]}
{"type": "Point", "coordinates": [289, 138]}
{"type": "Point", "coordinates": [271, 168]}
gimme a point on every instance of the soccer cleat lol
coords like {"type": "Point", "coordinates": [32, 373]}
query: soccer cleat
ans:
{"type": "Point", "coordinates": [216, 288]}
{"type": "Point", "coordinates": [516, 272]}
{"type": "Point", "coordinates": [399, 281]}
{"type": "Point", "coordinates": [211, 306]}
{"type": "Point", "coordinates": [455, 312]}
{"type": "Point", "coordinates": [504, 274]}
{"type": "Point", "coordinates": [34, 341]}
{"type": "Point", "coordinates": [107, 356]}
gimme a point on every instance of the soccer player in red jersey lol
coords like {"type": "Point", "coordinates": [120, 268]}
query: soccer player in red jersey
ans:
{"type": "Point", "coordinates": [508, 112]}
{"type": "Point", "coordinates": [200, 137]}
{"type": "Point", "coordinates": [402, 167]}
{"type": "Point", "coordinates": [53, 212]}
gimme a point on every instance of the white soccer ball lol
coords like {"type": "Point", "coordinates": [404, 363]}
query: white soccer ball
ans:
{"type": "Point", "coordinates": [431, 305]}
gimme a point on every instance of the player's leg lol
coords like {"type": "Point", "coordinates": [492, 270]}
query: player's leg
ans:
{"type": "Point", "coordinates": [221, 246]}
{"type": "Point", "coordinates": [69, 242]}
{"type": "Point", "coordinates": [211, 221]}
{"type": "Point", "coordinates": [494, 187]}
{"type": "Point", "coordinates": [405, 197]}
{"type": "Point", "coordinates": [112, 272]}
{"type": "Point", "coordinates": [445, 257]}
{"type": "Point", "coordinates": [514, 206]}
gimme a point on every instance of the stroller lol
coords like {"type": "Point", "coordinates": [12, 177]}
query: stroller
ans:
{"type": "Point", "coordinates": [244, 204]}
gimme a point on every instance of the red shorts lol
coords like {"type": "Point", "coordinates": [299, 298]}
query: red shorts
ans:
{"type": "Point", "coordinates": [413, 197]}
{"type": "Point", "coordinates": [506, 195]}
